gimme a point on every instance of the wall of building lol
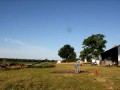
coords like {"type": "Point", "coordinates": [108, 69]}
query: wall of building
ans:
{"type": "Point", "coordinates": [118, 55]}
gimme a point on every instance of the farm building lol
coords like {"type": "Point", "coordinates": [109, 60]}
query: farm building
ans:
{"type": "Point", "coordinates": [111, 56]}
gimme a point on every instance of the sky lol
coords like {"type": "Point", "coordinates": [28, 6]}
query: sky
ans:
{"type": "Point", "coordinates": [37, 29]}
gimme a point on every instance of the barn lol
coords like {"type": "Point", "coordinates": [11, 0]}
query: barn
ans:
{"type": "Point", "coordinates": [111, 56]}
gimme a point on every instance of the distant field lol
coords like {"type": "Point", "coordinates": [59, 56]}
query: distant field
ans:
{"type": "Point", "coordinates": [43, 79]}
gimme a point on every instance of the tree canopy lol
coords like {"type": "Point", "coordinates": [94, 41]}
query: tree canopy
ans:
{"type": "Point", "coordinates": [93, 46]}
{"type": "Point", "coordinates": [67, 53]}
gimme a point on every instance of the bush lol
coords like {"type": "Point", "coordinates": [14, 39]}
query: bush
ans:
{"type": "Point", "coordinates": [13, 64]}
{"type": "Point", "coordinates": [71, 60]}
{"type": "Point", "coordinates": [44, 65]}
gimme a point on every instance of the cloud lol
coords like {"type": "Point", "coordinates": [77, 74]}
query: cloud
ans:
{"type": "Point", "coordinates": [26, 50]}
{"type": "Point", "coordinates": [31, 52]}
{"type": "Point", "coordinates": [13, 41]}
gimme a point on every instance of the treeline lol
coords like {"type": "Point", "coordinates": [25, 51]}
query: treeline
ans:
{"type": "Point", "coordinates": [16, 60]}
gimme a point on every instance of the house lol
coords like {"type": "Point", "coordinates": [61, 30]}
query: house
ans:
{"type": "Point", "coordinates": [111, 56]}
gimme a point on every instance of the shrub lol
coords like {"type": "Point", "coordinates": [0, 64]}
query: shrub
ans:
{"type": "Point", "coordinates": [13, 64]}
{"type": "Point", "coordinates": [44, 65]}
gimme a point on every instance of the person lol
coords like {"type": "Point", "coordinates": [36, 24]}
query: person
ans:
{"type": "Point", "coordinates": [77, 66]}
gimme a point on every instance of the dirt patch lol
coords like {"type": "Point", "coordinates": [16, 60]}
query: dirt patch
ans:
{"type": "Point", "coordinates": [68, 72]}
{"type": "Point", "coordinates": [15, 67]}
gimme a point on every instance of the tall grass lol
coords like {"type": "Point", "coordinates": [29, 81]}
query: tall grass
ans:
{"type": "Point", "coordinates": [43, 79]}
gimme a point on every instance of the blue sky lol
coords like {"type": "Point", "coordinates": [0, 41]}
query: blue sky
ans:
{"type": "Point", "coordinates": [39, 28]}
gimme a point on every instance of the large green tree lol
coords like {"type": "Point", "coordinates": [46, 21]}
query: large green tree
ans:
{"type": "Point", "coordinates": [93, 46]}
{"type": "Point", "coordinates": [67, 53]}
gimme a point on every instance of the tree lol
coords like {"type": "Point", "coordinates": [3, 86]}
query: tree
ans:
{"type": "Point", "coordinates": [67, 53]}
{"type": "Point", "coordinates": [93, 46]}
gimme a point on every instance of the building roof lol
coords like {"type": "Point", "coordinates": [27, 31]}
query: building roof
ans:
{"type": "Point", "coordinates": [112, 48]}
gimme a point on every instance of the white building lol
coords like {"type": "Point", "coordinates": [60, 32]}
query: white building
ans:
{"type": "Point", "coordinates": [96, 61]}
{"type": "Point", "coordinates": [59, 61]}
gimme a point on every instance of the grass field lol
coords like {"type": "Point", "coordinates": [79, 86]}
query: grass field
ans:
{"type": "Point", "coordinates": [43, 79]}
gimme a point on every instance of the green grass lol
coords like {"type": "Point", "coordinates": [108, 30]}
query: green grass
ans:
{"type": "Point", "coordinates": [43, 79]}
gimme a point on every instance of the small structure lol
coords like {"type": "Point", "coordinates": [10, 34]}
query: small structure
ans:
{"type": "Point", "coordinates": [85, 60]}
{"type": "Point", "coordinates": [94, 61]}
{"type": "Point", "coordinates": [111, 56]}
{"type": "Point", "coordinates": [59, 61]}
